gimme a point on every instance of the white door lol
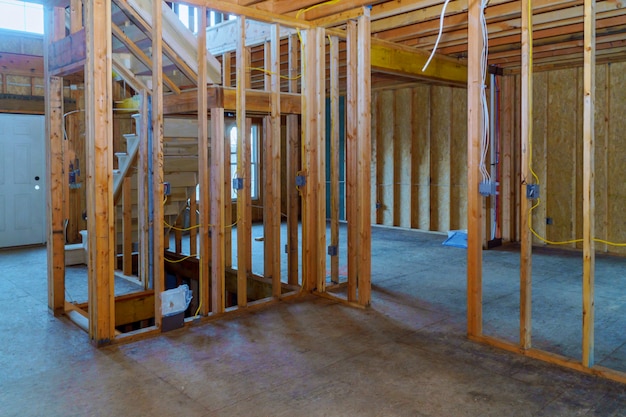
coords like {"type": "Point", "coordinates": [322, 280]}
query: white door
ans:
{"type": "Point", "coordinates": [22, 180]}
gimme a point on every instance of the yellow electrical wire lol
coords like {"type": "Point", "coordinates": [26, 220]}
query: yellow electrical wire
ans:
{"type": "Point", "coordinates": [175, 261]}
{"type": "Point", "coordinates": [182, 229]}
{"type": "Point", "coordinates": [285, 77]}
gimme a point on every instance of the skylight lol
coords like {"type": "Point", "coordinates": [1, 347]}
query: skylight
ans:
{"type": "Point", "coordinates": [21, 15]}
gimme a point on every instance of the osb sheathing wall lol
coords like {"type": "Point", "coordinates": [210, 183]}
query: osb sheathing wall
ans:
{"type": "Point", "coordinates": [557, 152]}
{"type": "Point", "coordinates": [419, 145]}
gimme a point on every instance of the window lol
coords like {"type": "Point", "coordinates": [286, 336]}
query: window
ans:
{"type": "Point", "coordinates": [22, 16]}
{"type": "Point", "coordinates": [254, 160]}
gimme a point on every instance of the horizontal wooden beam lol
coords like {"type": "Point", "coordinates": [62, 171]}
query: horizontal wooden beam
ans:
{"type": "Point", "coordinates": [396, 59]}
{"type": "Point", "coordinates": [257, 101]}
{"type": "Point", "coordinates": [18, 64]}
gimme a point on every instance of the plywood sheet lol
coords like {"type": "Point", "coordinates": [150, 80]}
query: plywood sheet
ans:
{"type": "Point", "coordinates": [458, 159]}
{"type": "Point", "coordinates": [385, 153]}
{"type": "Point", "coordinates": [402, 158]}
{"type": "Point", "coordinates": [602, 107]}
{"type": "Point", "coordinates": [420, 161]}
{"type": "Point", "coordinates": [441, 99]}
{"type": "Point", "coordinates": [561, 153]}
{"type": "Point", "coordinates": [539, 156]}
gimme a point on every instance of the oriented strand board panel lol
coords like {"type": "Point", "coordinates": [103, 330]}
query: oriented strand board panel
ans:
{"type": "Point", "coordinates": [601, 153]}
{"type": "Point", "coordinates": [385, 156]}
{"type": "Point", "coordinates": [402, 165]}
{"type": "Point", "coordinates": [420, 161]}
{"type": "Point", "coordinates": [441, 102]}
{"type": "Point", "coordinates": [458, 159]}
{"type": "Point", "coordinates": [616, 191]}
{"type": "Point", "coordinates": [540, 129]}
{"type": "Point", "coordinates": [561, 153]}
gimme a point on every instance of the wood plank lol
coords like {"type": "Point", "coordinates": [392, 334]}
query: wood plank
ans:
{"type": "Point", "coordinates": [218, 270]}
{"type": "Point", "coordinates": [158, 260]}
{"type": "Point", "coordinates": [293, 138]}
{"type": "Point", "coordinates": [420, 162]}
{"type": "Point", "coordinates": [142, 192]}
{"type": "Point", "coordinates": [99, 135]}
{"type": "Point", "coordinates": [55, 177]}
{"type": "Point", "coordinates": [334, 156]}
{"type": "Point", "coordinates": [403, 129]}
{"type": "Point", "coordinates": [440, 116]}
{"type": "Point", "coordinates": [474, 200]}
{"type": "Point", "coordinates": [589, 98]}
{"type": "Point", "coordinates": [127, 225]}
{"type": "Point", "coordinates": [385, 155]}
{"type": "Point", "coordinates": [76, 15]}
{"type": "Point", "coordinates": [364, 75]}
{"type": "Point", "coordinates": [458, 160]}
{"type": "Point", "coordinates": [207, 278]}
{"type": "Point", "coordinates": [244, 243]}
{"type": "Point", "coordinates": [526, 158]}
{"type": "Point", "coordinates": [351, 158]}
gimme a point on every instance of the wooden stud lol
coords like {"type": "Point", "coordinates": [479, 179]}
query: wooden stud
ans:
{"type": "Point", "coordinates": [507, 187]}
{"type": "Point", "coordinates": [244, 243]}
{"type": "Point", "coordinates": [334, 156]}
{"type": "Point", "coordinates": [474, 212]}
{"type": "Point", "coordinates": [589, 98]}
{"type": "Point", "coordinates": [127, 226]}
{"type": "Point", "coordinates": [228, 211]}
{"type": "Point", "coordinates": [364, 159]}
{"type": "Point", "coordinates": [76, 15]}
{"type": "Point", "coordinates": [142, 191]}
{"type": "Point", "coordinates": [351, 161]}
{"type": "Point", "coordinates": [157, 159]}
{"type": "Point", "coordinates": [55, 177]}
{"type": "Point", "coordinates": [218, 271]}
{"type": "Point", "coordinates": [320, 161]}
{"type": "Point", "coordinates": [526, 177]}
{"type": "Point", "coordinates": [193, 221]}
{"type": "Point", "coordinates": [293, 166]}
{"type": "Point", "coordinates": [272, 203]}
{"type": "Point", "coordinates": [100, 205]}
{"type": "Point", "coordinates": [226, 64]}
{"type": "Point", "coordinates": [203, 176]}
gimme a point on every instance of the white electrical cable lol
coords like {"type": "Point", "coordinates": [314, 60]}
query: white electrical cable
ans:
{"type": "Point", "coordinates": [432, 54]}
{"type": "Point", "coordinates": [486, 176]}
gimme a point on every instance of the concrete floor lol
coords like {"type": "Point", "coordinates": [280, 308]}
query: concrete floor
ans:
{"type": "Point", "coordinates": [405, 356]}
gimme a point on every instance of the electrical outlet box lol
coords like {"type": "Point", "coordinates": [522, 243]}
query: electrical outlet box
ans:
{"type": "Point", "coordinates": [237, 183]}
{"type": "Point", "coordinates": [487, 188]}
{"type": "Point", "coordinates": [167, 189]}
{"type": "Point", "coordinates": [532, 191]}
{"type": "Point", "coordinates": [300, 181]}
{"type": "Point", "coordinates": [332, 250]}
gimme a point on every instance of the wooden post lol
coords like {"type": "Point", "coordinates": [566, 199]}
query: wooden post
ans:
{"type": "Point", "coordinates": [272, 215]}
{"type": "Point", "coordinates": [157, 158]}
{"type": "Point", "coordinates": [526, 149]}
{"type": "Point", "coordinates": [218, 271]}
{"type": "Point", "coordinates": [203, 175]}
{"type": "Point", "coordinates": [76, 15]}
{"type": "Point", "coordinates": [475, 204]}
{"type": "Point", "coordinates": [334, 157]}
{"type": "Point", "coordinates": [142, 191]}
{"type": "Point", "coordinates": [364, 152]}
{"type": "Point", "coordinates": [589, 85]}
{"type": "Point", "coordinates": [228, 209]}
{"type": "Point", "coordinates": [507, 188]}
{"type": "Point", "coordinates": [293, 166]}
{"type": "Point", "coordinates": [55, 179]}
{"type": "Point", "coordinates": [244, 243]}
{"type": "Point", "coordinates": [193, 221]}
{"type": "Point", "coordinates": [99, 136]}
{"type": "Point", "coordinates": [127, 227]}
{"type": "Point", "coordinates": [351, 158]}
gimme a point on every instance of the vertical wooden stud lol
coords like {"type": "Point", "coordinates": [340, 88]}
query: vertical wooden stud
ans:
{"type": "Point", "coordinates": [157, 158]}
{"type": "Point", "coordinates": [293, 166]}
{"type": "Point", "coordinates": [142, 191]}
{"type": "Point", "coordinates": [217, 227]}
{"type": "Point", "coordinates": [244, 244]}
{"type": "Point", "coordinates": [334, 156]}
{"type": "Point", "coordinates": [55, 178]}
{"type": "Point", "coordinates": [364, 158]}
{"type": "Point", "coordinates": [526, 177]}
{"type": "Point", "coordinates": [475, 204]}
{"type": "Point", "coordinates": [203, 174]}
{"type": "Point", "coordinates": [589, 85]}
{"type": "Point", "coordinates": [76, 15]}
{"type": "Point", "coordinates": [228, 211]}
{"type": "Point", "coordinates": [351, 161]}
{"type": "Point", "coordinates": [127, 227]}
{"type": "Point", "coordinates": [101, 228]}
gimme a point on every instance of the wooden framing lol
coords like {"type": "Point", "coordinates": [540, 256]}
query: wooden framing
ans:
{"type": "Point", "coordinates": [55, 177]}
{"type": "Point", "coordinates": [474, 200]}
{"type": "Point", "coordinates": [526, 152]}
{"type": "Point", "coordinates": [101, 230]}
{"type": "Point", "coordinates": [334, 157]}
{"type": "Point", "coordinates": [217, 216]}
{"type": "Point", "coordinates": [589, 98]}
{"type": "Point", "coordinates": [351, 163]}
